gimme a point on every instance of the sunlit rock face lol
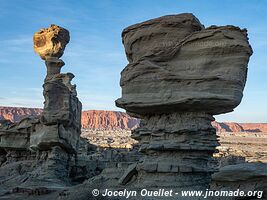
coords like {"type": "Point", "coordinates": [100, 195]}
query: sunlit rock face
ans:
{"type": "Point", "coordinates": [175, 64]}
{"type": "Point", "coordinates": [179, 75]}
{"type": "Point", "coordinates": [51, 42]}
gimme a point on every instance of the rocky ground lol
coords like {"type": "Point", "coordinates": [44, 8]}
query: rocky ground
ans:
{"type": "Point", "coordinates": [45, 158]}
{"type": "Point", "coordinates": [115, 120]}
{"type": "Point", "coordinates": [251, 146]}
{"type": "Point", "coordinates": [109, 138]}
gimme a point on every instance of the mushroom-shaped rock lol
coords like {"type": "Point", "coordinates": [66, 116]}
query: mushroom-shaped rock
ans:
{"type": "Point", "coordinates": [179, 75]}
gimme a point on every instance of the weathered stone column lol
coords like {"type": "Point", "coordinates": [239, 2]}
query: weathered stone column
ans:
{"type": "Point", "coordinates": [44, 148]}
{"type": "Point", "coordinates": [178, 148]}
{"type": "Point", "coordinates": [179, 75]}
{"type": "Point", "coordinates": [61, 119]}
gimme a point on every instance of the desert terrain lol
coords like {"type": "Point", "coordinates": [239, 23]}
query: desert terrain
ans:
{"type": "Point", "coordinates": [112, 129]}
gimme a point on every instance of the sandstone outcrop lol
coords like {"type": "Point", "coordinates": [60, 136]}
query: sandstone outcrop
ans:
{"type": "Point", "coordinates": [108, 120]}
{"type": "Point", "coordinates": [179, 75]}
{"type": "Point", "coordinates": [42, 155]}
{"type": "Point", "coordinates": [254, 127]}
{"type": "Point", "coordinates": [41, 152]}
{"type": "Point", "coordinates": [51, 42]}
{"type": "Point", "coordinates": [115, 120]}
{"type": "Point", "coordinates": [245, 177]}
{"type": "Point", "coordinates": [240, 127]}
{"type": "Point", "coordinates": [227, 127]}
{"type": "Point", "coordinates": [60, 122]}
{"type": "Point", "coordinates": [15, 114]}
{"type": "Point", "coordinates": [199, 69]}
{"type": "Point", "coordinates": [90, 119]}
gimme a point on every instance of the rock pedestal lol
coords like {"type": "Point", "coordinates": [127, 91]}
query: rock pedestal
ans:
{"type": "Point", "coordinates": [178, 148]}
{"type": "Point", "coordinates": [44, 149]}
{"type": "Point", "coordinates": [179, 75]}
{"type": "Point", "coordinates": [61, 119]}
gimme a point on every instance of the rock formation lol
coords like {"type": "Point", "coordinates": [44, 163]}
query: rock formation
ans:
{"type": "Point", "coordinates": [45, 147]}
{"type": "Point", "coordinates": [15, 114]}
{"type": "Point", "coordinates": [115, 120]}
{"type": "Point", "coordinates": [254, 127]}
{"type": "Point", "coordinates": [240, 127]}
{"type": "Point", "coordinates": [247, 177]}
{"type": "Point", "coordinates": [51, 42]}
{"type": "Point", "coordinates": [180, 54]}
{"type": "Point", "coordinates": [227, 127]}
{"type": "Point", "coordinates": [179, 75]}
{"type": "Point", "coordinates": [108, 120]}
{"type": "Point", "coordinates": [61, 118]}
{"type": "Point", "coordinates": [91, 119]}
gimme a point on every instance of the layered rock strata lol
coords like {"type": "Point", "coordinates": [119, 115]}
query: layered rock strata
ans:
{"type": "Point", "coordinates": [115, 120]}
{"type": "Point", "coordinates": [179, 75]}
{"type": "Point", "coordinates": [45, 147]}
{"type": "Point", "coordinates": [108, 120]}
{"type": "Point", "coordinates": [178, 147]}
{"type": "Point", "coordinates": [248, 177]}
{"type": "Point", "coordinates": [177, 65]}
{"type": "Point", "coordinates": [61, 119]}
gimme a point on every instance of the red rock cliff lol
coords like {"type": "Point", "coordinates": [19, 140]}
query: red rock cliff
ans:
{"type": "Point", "coordinates": [101, 119]}
{"type": "Point", "coordinates": [15, 114]}
{"type": "Point", "coordinates": [94, 119]}
{"type": "Point", "coordinates": [240, 127]}
{"type": "Point", "coordinates": [111, 120]}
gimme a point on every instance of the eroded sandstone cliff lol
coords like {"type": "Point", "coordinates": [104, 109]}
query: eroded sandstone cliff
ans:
{"type": "Point", "coordinates": [108, 120]}
{"type": "Point", "coordinates": [15, 114]}
{"type": "Point", "coordinates": [114, 120]}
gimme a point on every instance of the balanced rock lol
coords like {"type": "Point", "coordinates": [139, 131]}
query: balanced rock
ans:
{"type": "Point", "coordinates": [51, 42]}
{"type": "Point", "coordinates": [61, 118]}
{"type": "Point", "coordinates": [179, 75]}
{"type": "Point", "coordinates": [41, 152]}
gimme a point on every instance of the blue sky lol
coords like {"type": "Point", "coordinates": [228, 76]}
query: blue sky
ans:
{"type": "Point", "coordinates": [95, 53]}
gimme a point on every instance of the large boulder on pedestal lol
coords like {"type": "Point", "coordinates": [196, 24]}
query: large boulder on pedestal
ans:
{"type": "Point", "coordinates": [179, 75]}
{"type": "Point", "coordinates": [60, 122]}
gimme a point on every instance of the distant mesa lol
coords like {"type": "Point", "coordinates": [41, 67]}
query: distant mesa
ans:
{"type": "Point", "coordinates": [108, 120]}
{"type": "Point", "coordinates": [91, 119]}
{"type": "Point", "coordinates": [114, 120]}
